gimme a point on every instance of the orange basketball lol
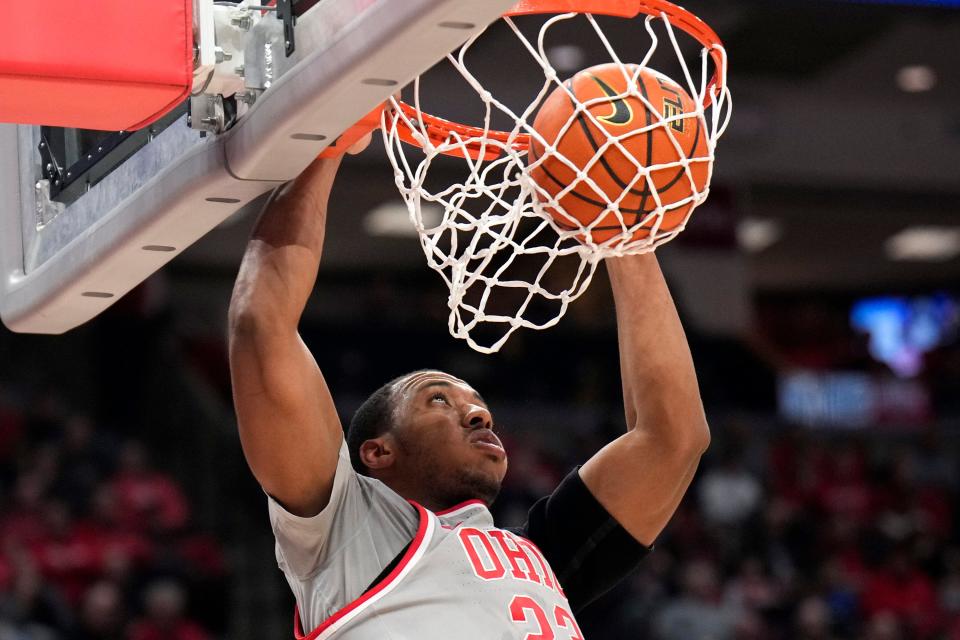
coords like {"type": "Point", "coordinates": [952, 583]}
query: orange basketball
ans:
{"type": "Point", "coordinates": [641, 134]}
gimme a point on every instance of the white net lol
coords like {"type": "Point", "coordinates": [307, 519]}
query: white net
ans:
{"type": "Point", "coordinates": [514, 249]}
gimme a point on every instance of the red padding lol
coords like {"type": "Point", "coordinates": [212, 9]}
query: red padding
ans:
{"type": "Point", "coordinates": [111, 64]}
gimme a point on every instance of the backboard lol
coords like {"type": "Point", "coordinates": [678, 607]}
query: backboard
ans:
{"type": "Point", "coordinates": [85, 217]}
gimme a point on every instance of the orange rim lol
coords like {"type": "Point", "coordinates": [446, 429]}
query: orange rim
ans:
{"type": "Point", "coordinates": [439, 130]}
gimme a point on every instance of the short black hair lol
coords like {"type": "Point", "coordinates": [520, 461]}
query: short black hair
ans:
{"type": "Point", "coordinates": [373, 418]}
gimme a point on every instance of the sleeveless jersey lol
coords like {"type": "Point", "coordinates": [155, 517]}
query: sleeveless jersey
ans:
{"type": "Point", "coordinates": [461, 577]}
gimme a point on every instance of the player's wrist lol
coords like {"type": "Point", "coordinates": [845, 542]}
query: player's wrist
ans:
{"type": "Point", "coordinates": [623, 265]}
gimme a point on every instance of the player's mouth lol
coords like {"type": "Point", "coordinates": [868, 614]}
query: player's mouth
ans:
{"type": "Point", "coordinates": [488, 440]}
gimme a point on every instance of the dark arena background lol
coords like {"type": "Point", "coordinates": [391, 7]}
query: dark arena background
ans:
{"type": "Point", "coordinates": [820, 290]}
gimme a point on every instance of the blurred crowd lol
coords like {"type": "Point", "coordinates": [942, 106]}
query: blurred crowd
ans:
{"type": "Point", "coordinates": [96, 543]}
{"type": "Point", "coordinates": [793, 537]}
{"type": "Point", "coordinates": [784, 535]}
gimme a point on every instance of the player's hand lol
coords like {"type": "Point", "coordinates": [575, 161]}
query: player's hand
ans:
{"type": "Point", "coordinates": [360, 144]}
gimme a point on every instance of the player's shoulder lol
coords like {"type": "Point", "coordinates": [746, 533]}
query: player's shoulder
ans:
{"type": "Point", "coordinates": [380, 497]}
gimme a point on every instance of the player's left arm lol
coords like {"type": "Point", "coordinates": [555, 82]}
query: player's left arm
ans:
{"type": "Point", "coordinates": [640, 477]}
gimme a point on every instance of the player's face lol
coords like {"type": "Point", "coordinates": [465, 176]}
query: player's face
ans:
{"type": "Point", "coordinates": [446, 439]}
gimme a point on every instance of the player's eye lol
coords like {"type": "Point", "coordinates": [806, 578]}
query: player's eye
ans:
{"type": "Point", "coordinates": [439, 397]}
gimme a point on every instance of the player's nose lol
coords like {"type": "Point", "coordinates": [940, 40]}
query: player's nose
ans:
{"type": "Point", "coordinates": [477, 417]}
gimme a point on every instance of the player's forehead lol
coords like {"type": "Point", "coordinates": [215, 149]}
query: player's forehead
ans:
{"type": "Point", "coordinates": [420, 380]}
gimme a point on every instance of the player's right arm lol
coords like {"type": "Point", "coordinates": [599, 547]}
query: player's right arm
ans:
{"type": "Point", "coordinates": [288, 424]}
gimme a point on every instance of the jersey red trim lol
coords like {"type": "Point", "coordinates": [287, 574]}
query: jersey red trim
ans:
{"type": "Point", "coordinates": [415, 547]}
{"type": "Point", "coordinates": [458, 507]}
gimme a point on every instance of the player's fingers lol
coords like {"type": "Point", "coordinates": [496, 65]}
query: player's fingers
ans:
{"type": "Point", "coordinates": [360, 144]}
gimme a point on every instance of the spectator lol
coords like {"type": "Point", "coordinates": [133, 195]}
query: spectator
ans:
{"type": "Point", "coordinates": [700, 613]}
{"type": "Point", "coordinates": [933, 463]}
{"type": "Point", "coordinates": [794, 467]}
{"type": "Point", "coordinates": [845, 490]}
{"type": "Point", "coordinates": [31, 607]}
{"type": "Point", "coordinates": [24, 523]}
{"type": "Point", "coordinates": [909, 510]}
{"type": "Point", "coordinates": [901, 590]}
{"type": "Point", "coordinates": [883, 626]}
{"type": "Point", "coordinates": [148, 500]}
{"type": "Point", "coordinates": [122, 551]}
{"type": "Point", "coordinates": [729, 494]}
{"type": "Point", "coordinates": [812, 620]}
{"type": "Point", "coordinates": [950, 585]}
{"type": "Point", "coordinates": [85, 461]}
{"type": "Point", "coordinates": [841, 593]}
{"type": "Point", "coordinates": [67, 556]}
{"type": "Point", "coordinates": [101, 614]}
{"type": "Point", "coordinates": [753, 588]}
{"type": "Point", "coordinates": [164, 619]}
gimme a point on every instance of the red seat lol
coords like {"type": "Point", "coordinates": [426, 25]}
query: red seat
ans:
{"type": "Point", "coordinates": [111, 64]}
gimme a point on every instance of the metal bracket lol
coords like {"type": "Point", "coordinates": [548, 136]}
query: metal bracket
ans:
{"type": "Point", "coordinates": [60, 178]}
{"type": "Point", "coordinates": [285, 13]}
{"type": "Point", "coordinates": [47, 208]}
{"type": "Point", "coordinates": [288, 11]}
{"type": "Point", "coordinates": [207, 113]}
{"type": "Point", "coordinates": [49, 168]}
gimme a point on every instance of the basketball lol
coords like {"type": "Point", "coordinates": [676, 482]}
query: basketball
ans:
{"type": "Point", "coordinates": [612, 97]}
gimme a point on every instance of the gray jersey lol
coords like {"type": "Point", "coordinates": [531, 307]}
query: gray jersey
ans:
{"type": "Point", "coordinates": [460, 577]}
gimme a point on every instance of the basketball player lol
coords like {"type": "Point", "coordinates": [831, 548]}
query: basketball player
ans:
{"type": "Point", "coordinates": [386, 533]}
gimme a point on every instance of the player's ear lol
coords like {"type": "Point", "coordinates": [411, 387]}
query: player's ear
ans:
{"type": "Point", "coordinates": [377, 453]}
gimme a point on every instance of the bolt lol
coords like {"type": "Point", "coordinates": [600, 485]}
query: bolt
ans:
{"type": "Point", "coordinates": [239, 70]}
{"type": "Point", "coordinates": [242, 20]}
{"type": "Point", "coordinates": [49, 166]}
{"type": "Point", "coordinates": [220, 55]}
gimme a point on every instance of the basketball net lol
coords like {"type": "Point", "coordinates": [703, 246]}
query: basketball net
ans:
{"type": "Point", "coordinates": [491, 236]}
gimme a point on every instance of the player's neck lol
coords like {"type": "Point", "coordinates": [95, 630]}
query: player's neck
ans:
{"type": "Point", "coordinates": [412, 491]}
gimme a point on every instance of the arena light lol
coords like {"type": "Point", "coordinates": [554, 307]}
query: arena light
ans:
{"type": "Point", "coordinates": [916, 78]}
{"type": "Point", "coordinates": [929, 243]}
{"type": "Point", "coordinates": [567, 57]}
{"type": "Point", "coordinates": [756, 234]}
{"type": "Point", "coordinates": [392, 220]}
